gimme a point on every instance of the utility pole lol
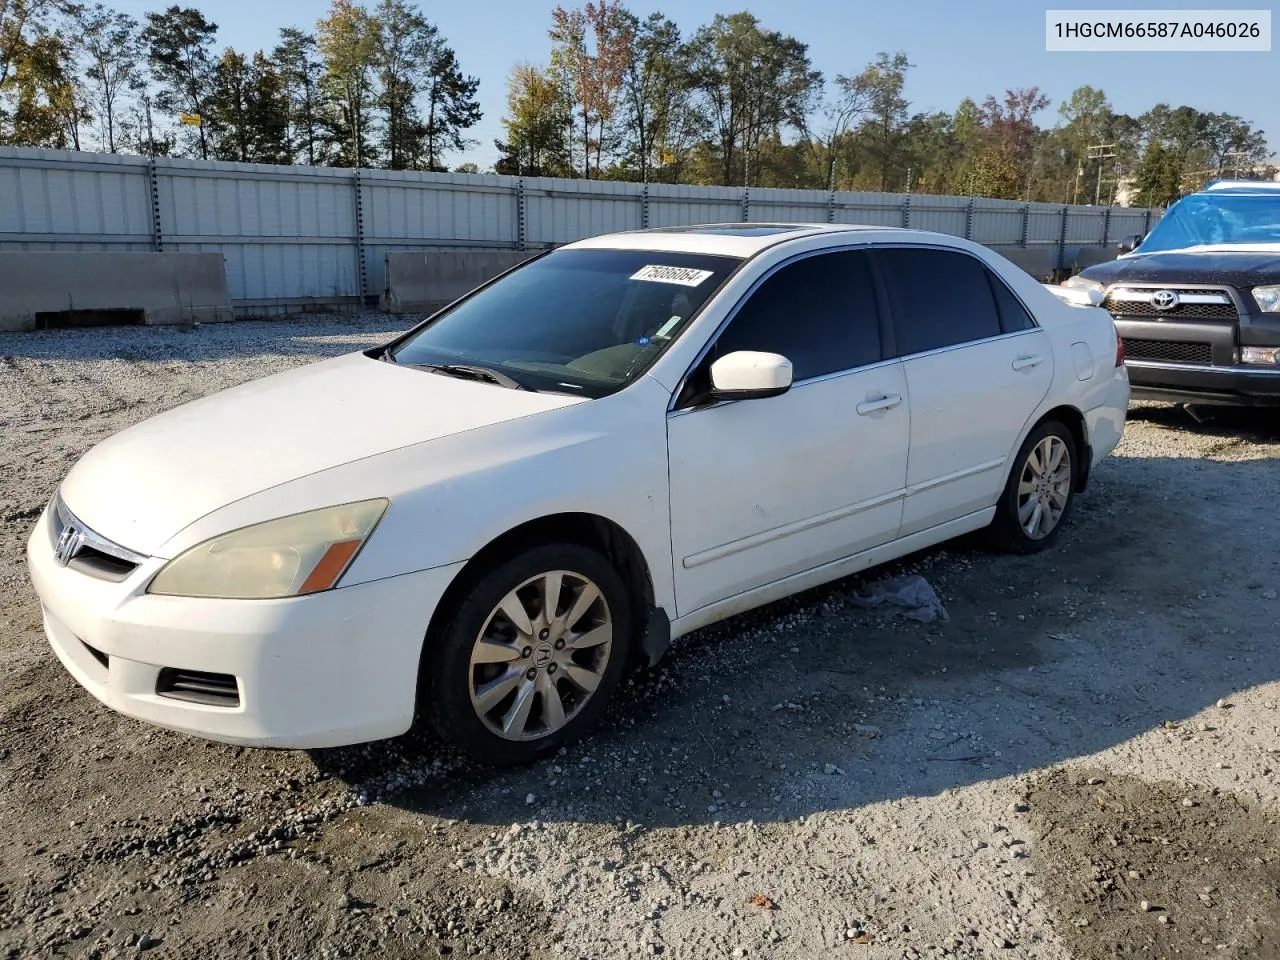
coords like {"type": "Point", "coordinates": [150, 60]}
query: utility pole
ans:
{"type": "Point", "coordinates": [151, 133]}
{"type": "Point", "coordinates": [1116, 172]}
{"type": "Point", "coordinates": [1235, 156]}
{"type": "Point", "coordinates": [1100, 152]}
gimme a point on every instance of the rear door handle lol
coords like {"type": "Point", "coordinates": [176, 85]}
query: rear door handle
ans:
{"type": "Point", "coordinates": [1027, 362]}
{"type": "Point", "coordinates": [876, 404]}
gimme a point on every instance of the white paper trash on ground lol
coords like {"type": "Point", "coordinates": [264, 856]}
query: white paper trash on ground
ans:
{"type": "Point", "coordinates": [911, 596]}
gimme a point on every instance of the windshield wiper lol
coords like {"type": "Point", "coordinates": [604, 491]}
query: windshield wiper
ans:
{"type": "Point", "coordinates": [466, 371]}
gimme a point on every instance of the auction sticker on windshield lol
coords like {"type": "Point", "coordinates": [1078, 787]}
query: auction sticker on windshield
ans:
{"type": "Point", "coordinates": [685, 276]}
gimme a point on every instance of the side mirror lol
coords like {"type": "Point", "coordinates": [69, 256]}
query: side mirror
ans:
{"type": "Point", "coordinates": [750, 375]}
{"type": "Point", "coordinates": [1130, 244]}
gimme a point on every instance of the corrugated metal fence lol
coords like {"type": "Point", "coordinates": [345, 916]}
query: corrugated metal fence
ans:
{"type": "Point", "coordinates": [305, 236]}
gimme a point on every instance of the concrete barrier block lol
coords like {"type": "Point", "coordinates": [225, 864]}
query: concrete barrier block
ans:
{"type": "Point", "coordinates": [1037, 261]}
{"type": "Point", "coordinates": [55, 288]}
{"type": "Point", "coordinates": [1042, 262]}
{"type": "Point", "coordinates": [1089, 256]}
{"type": "Point", "coordinates": [423, 282]}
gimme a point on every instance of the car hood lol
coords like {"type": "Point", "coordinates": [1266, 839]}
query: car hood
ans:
{"type": "Point", "coordinates": [1233, 268]}
{"type": "Point", "coordinates": [148, 482]}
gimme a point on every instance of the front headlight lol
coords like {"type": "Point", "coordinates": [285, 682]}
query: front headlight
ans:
{"type": "Point", "coordinates": [1269, 356]}
{"type": "Point", "coordinates": [304, 553]}
{"type": "Point", "coordinates": [1268, 298]}
{"type": "Point", "coordinates": [1083, 283]}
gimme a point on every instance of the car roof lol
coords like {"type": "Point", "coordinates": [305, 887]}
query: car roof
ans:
{"type": "Point", "coordinates": [1242, 187]}
{"type": "Point", "coordinates": [739, 239]}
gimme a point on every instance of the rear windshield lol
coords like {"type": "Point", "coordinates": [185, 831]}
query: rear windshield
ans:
{"type": "Point", "coordinates": [575, 321]}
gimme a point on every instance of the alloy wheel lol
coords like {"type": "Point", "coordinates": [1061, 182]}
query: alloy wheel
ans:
{"type": "Point", "coordinates": [541, 655]}
{"type": "Point", "coordinates": [1044, 488]}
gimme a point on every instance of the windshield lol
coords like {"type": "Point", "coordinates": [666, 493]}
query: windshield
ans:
{"type": "Point", "coordinates": [586, 322]}
{"type": "Point", "coordinates": [1216, 219]}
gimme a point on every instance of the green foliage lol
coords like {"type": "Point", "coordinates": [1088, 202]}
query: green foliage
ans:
{"type": "Point", "coordinates": [111, 48]}
{"type": "Point", "coordinates": [179, 44]}
{"type": "Point", "coordinates": [425, 99]}
{"type": "Point", "coordinates": [751, 83]}
{"type": "Point", "coordinates": [539, 113]}
{"type": "Point", "coordinates": [451, 107]}
{"type": "Point", "coordinates": [885, 127]}
{"type": "Point", "coordinates": [297, 60]}
{"type": "Point", "coordinates": [347, 39]}
{"type": "Point", "coordinates": [47, 109]}
{"type": "Point", "coordinates": [1158, 178]}
{"type": "Point", "coordinates": [591, 51]}
{"type": "Point", "coordinates": [249, 110]}
{"type": "Point", "coordinates": [622, 97]}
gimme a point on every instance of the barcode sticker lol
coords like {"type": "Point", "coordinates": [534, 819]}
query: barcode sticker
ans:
{"type": "Point", "coordinates": [684, 276]}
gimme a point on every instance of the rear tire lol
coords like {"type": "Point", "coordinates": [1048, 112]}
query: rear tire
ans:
{"type": "Point", "coordinates": [1040, 491]}
{"type": "Point", "coordinates": [530, 656]}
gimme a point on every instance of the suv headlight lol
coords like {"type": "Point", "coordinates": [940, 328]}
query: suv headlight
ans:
{"type": "Point", "coordinates": [295, 555]}
{"type": "Point", "coordinates": [1084, 283]}
{"type": "Point", "coordinates": [1268, 298]}
{"type": "Point", "coordinates": [1269, 356]}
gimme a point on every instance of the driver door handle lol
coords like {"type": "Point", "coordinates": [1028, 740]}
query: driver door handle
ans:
{"type": "Point", "coordinates": [875, 404]}
{"type": "Point", "coordinates": [1027, 361]}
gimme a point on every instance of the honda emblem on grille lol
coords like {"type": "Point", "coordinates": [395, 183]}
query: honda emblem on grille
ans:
{"type": "Point", "coordinates": [1164, 299]}
{"type": "Point", "coordinates": [69, 542]}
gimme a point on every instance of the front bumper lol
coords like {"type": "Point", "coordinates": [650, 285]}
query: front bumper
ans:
{"type": "Point", "coordinates": [325, 670]}
{"type": "Point", "coordinates": [1202, 383]}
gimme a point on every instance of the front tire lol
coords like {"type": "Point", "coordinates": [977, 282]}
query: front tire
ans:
{"type": "Point", "coordinates": [1039, 493]}
{"type": "Point", "coordinates": [530, 656]}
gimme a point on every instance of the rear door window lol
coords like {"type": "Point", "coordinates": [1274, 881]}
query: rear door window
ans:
{"type": "Point", "coordinates": [941, 298]}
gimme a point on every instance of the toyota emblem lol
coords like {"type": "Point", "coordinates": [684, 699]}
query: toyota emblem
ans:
{"type": "Point", "coordinates": [1164, 299]}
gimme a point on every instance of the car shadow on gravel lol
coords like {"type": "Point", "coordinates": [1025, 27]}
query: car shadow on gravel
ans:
{"type": "Point", "coordinates": [813, 704]}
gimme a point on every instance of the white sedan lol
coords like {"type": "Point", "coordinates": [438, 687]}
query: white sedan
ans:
{"type": "Point", "coordinates": [605, 448]}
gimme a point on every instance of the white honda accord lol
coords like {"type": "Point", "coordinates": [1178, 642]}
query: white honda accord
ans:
{"type": "Point", "coordinates": [620, 441]}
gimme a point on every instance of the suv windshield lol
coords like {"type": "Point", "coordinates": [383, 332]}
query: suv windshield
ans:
{"type": "Point", "coordinates": [1207, 219]}
{"type": "Point", "coordinates": [586, 322]}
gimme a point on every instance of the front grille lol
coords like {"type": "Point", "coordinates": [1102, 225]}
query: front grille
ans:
{"type": "Point", "coordinates": [101, 565]}
{"type": "Point", "coordinates": [1119, 306]}
{"type": "Point", "coordinates": [1183, 311]}
{"type": "Point", "coordinates": [90, 552]}
{"type": "Point", "coordinates": [1168, 351]}
{"type": "Point", "coordinates": [196, 686]}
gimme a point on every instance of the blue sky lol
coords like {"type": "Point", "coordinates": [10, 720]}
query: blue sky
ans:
{"type": "Point", "coordinates": [958, 48]}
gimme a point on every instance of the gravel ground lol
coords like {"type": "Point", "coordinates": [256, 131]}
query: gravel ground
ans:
{"type": "Point", "coordinates": [1081, 762]}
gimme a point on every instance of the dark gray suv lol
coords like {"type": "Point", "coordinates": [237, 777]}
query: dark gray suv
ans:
{"type": "Point", "coordinates": [1197, 301]}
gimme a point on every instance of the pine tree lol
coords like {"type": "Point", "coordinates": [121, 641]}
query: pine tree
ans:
{"type": "Point", "coordinates": [301, 71]}
{"type": "Point", "coordinates": [179, 47]}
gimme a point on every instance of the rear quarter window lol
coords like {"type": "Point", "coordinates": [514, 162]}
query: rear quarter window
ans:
{"type": "Point", "coordinates": [1013, 315]}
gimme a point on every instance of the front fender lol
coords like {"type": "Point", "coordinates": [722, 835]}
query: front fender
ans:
{"type": "Point", "coordinates": [450, 497]}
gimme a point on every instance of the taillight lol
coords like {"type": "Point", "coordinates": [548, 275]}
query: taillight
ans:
{"type": "Point", "coordinates": [1119, 349]}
